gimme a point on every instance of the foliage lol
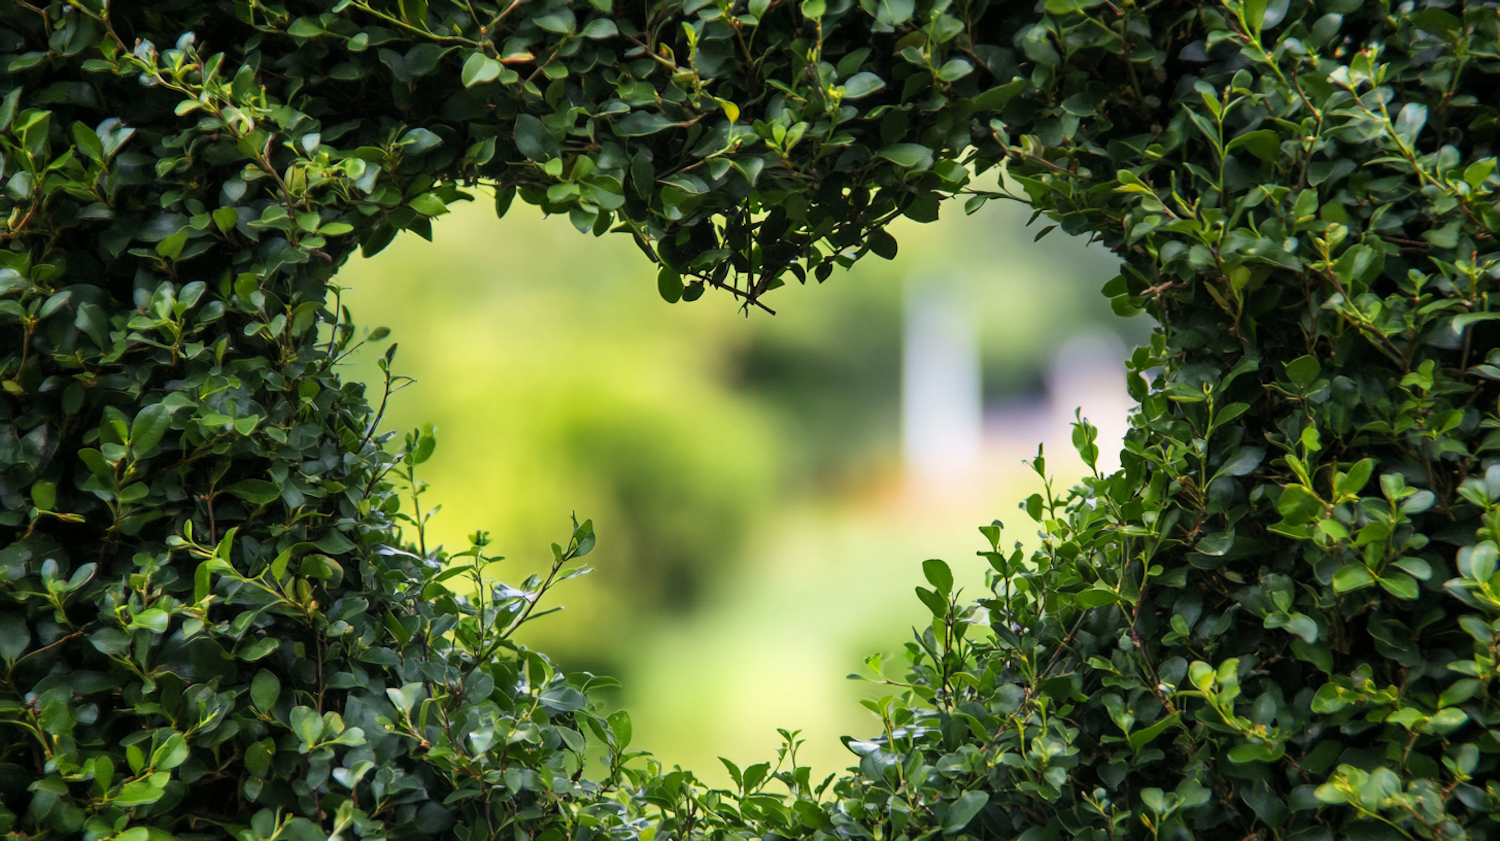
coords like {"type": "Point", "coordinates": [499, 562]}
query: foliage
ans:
{"type": "Point", "coordinates": [212, 625]}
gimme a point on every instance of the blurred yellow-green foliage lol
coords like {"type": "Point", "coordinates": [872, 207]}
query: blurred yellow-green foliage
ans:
{"type": "Point", "coordinates": [743, 473]}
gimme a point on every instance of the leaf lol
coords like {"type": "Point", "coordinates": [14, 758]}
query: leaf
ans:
{"type": "Point", "coordinates": [172, 753]}
{"type": "Point", "coordinates": [1081, 105]}
{"type": "Point", "coordinates": [600, 28]}
{"type": "Point", "coordinates": [203, 581]}
{"type": "Point", "coordinates": [882, 244]}
{"type": "Point", "coordinates": [533, 140]}
{"type": "Point", "coordinates": [642, 124]}
{"type": "Point", "coordinates": [935, 603]}
{"type": "Point", "coordinates": [1436, 21]}
{"type": "Point", "coordinates": [906, 154]}
{"type": "Point", "coordinates": [734, 772]}
{"type": "Point", "coordinates": [669, 285]}
{"type": "Point", "coordinates": [1255, 15]}
{"type": "Point", "coordinates": [420, 140]}
{"type": "Point", "coordinates": [256, 491]}
{"type": "Point", "coordinates": [479, 69]}
{"type": "Point", "coordinates": [258, 650]}
{"type": "Point", "coordinates": [619, 724]}
{"type": "Point", "coordinates": [406, 697]}
{"type": "Point", "coordinates": [560, 22]}
{"type": "Point", "coordinates": [996, 98]}
{"type": "Point", "coordinates": [154, 619]}
{"type": "Point", "coordinates": [1263, 143]}
{"type": "Point", "coordinates": [1479, 561]}
{"type": "Point", "coordinates": [414, 12]}
{"type": "Point", "coordinates": [225, 218]}
{"type": "Point", "coordinates": [1303, 626]}
{"type": "Point", "coordinates": [428, 204]}
{"type": "Point", "coordinates": [88, 142]}
{"type": "Point", "coordinates": [1410, 121]}
{"type": "Point", "coordinates": [894, 12]}
{"type": "Point", "coordinates": [1303, 370]}
{"type": "Point", "coordinates": [15, 636]}
{"type": "Point", "coordinates": [44, 495]}
{"type": "Point", "coordinates": [1418, 502]}
{"type": "Point", "coordinates": [265, 690]}
{"type": "Point", "coordinates": [938, 575]}
{"type": "Point", "coordinates": [139, 793]}
{"type": "Point", "coordinates": [8, 107]}
{"type": "Point", "coordinates": [1416, 567]}
{"type": "Point", "coordinates": [171, 246]}
{"type": "Point", "coordinates": [1216, 544]}
{"type": "Point", "coordinates": [150, 424]}
{"type": "Point", "coordinates": [1145, 736]}
{"type": "Point", "coordinates": [1098, 595]}
{"type": "Point", "coordinates": [307, 724]}
{"type": "Point", "coordinates": [1242, 463]}
{"type": "Point", "coordinates": [1400, 585]}
{"type": "Point", "coordinates": [1464, 320]}
{"type": "Point", "coordinates": [862, 84]}
{"type": "Point", "coordinates": [1351, 577]}
{"type": "Point", "coordinates": [305, 27]}
{"type": "Point", "coordinates": [1297, 506]}
{"type": "Point", "coordinates": [954, 69]}
{"type": "Point", "coordinates": [563, 699]}
{"type": "Point", "coordinates": [963, 811]}
{"type": "Point", "coordinates": [1256, 752]}
{"type": "Point", "coordinates": [1034, 505]}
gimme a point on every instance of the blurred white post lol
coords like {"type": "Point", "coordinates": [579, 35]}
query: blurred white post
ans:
{"type": "Point", "coordinates": [942, 423]}
{"type": "Point", "coordinates": [1088, 373]}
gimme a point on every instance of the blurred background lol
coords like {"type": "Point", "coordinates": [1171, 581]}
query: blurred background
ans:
{"type": "Point", "coordinates": [764, 488]}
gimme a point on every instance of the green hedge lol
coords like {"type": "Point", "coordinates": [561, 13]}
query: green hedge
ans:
{"type": "Point", "coordinates": [1278, 620]}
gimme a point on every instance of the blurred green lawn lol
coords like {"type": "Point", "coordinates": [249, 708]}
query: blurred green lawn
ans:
{"type": "Point", "coordinates": [743, 473]}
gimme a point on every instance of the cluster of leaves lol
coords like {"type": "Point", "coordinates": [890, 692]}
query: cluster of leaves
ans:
{"type": "Point", "coordinates": [1279, 619]}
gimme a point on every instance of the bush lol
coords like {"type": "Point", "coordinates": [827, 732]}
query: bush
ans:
{"type": "Point", "coordinates": [1277, 620]}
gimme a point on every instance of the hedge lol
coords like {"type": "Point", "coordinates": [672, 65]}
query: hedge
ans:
{"type": "Point", "coordinates": [1278, 620]}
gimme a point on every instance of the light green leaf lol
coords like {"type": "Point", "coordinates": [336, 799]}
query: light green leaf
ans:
{"type": "Point", "coordinates": [307, 724]}
{"type": "Point", "coordinates": [600, 28]}
{"type": "Point", "coordinates": [480, 68]}
{"type": "Point", "coordinates": [906, 154]}
{"type": "Point", "coordinates": [428, 204]}
{"type": "Point", "coordinates": [1351, 577]}
{"type": "Point", "coordinates": [955, 69]}
{"type": "Point", "coordinates": [938, 575]}
{"type": "Point", "coordinates": [862, 84]}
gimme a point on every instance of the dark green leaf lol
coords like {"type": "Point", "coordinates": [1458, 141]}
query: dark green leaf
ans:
{"type": "Point", "coordinates": [533, 139]}
{"type": "Point", "coordinates": [641, 124]}
{"type": "Point", "coordinates": [963, 811]}
{"type": "Point", "coordinates": [1262, 143]}
{"type": "Point", "coordinates": [150, 424]}
{"type": "Point", "coordinates": [257, 491]}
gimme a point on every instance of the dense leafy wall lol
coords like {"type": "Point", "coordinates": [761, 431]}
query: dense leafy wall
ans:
{"type": "Point", "coordinates": [1278, 620]}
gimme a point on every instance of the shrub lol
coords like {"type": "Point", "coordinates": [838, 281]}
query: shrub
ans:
{"type": "Point", "coordinates": [1277, 620]}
